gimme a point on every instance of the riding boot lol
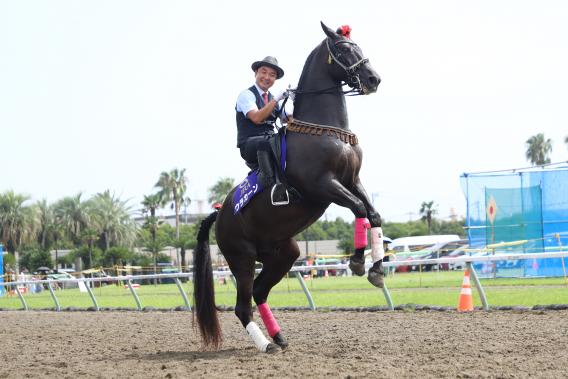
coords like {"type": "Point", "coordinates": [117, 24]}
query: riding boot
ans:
{"type": "Point", "coordinates": [266, 172]}
{"type": "Point", "coordinates": [267, 178]}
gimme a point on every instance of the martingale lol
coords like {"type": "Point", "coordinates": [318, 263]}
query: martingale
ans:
{"type": "Point", "coordinates": [317, 130]}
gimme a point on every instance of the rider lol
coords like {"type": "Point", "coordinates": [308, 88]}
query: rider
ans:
{"type": "Point", "coordinates": [256, 113]}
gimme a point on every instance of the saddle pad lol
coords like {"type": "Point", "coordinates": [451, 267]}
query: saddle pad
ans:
{"type": "Point", "coordinates": [249, 187]}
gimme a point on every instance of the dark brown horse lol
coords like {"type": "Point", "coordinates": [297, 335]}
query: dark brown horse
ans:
{"type": "Point", "coordinates": [323, 163]}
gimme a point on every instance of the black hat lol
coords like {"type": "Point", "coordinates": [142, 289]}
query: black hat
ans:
{"type": "Point", "coordinates": [269, 62]}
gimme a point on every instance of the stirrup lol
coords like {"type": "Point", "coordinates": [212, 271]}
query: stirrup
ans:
{"type": "Point", "coordinates": [282, 202]}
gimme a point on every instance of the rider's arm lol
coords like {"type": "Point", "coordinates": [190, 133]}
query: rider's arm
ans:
{"type": "Point", "coordinates": [246, 103]}
{"type": "Point", "coordinates": [258, 116]}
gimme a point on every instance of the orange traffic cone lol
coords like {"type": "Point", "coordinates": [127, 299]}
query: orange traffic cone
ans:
{"type": "Point", "coordinates": [466, 300]}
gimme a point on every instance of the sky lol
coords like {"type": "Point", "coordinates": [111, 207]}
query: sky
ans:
{"type": "Point", "coordinates": [98, 95]}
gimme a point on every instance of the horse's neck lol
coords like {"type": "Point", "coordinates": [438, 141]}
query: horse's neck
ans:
{"type": "Point", "coordinates": [326, 108]}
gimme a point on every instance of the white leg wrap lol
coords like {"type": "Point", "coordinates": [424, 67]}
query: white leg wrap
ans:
{"type": "Point", "coordinates": [257, 337]}
{"type": "Point", "coordinates": [377, 247]}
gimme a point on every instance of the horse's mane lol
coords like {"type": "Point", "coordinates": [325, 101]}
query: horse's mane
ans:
{"type": "Point", "coordinates": [308, 64]}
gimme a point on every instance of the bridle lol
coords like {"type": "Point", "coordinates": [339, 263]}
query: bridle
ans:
{"type": "Point", "coordinates": [352, 72]}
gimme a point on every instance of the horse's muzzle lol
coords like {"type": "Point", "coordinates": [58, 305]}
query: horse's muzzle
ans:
{"type": "Point", "coordinates": [371, 84]}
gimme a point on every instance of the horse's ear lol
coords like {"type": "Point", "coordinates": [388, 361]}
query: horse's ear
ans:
{"type": "Point", "coordinates": [329, 32]}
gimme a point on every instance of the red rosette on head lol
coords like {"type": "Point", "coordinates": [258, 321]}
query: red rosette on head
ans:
{"type": "Point", "coordinates": [344, 30]}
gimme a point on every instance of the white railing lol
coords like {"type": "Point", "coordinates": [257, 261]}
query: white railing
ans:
{"type": "Point", "coordinates": [468, 260]}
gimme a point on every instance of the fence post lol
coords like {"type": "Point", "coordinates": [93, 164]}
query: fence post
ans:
{"type": "Point", "coordinates": [306, 291]}
{"type": "Point", "coordinates": [133, 292]}
{"type": "Point", "coordinates": [388, 297]}
{"type": "Point", "coordinates": [57, 306]}
{"type": "Point", "coordinates": [24, 304]}
{"type": "Point", "coordinates": [183, 294]}
{"type": "Point", "coordinates": [92, 295]}
{"type": "Point", "coordinates": [478, 285]}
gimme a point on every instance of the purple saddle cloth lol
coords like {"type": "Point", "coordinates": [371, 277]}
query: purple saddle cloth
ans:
{"type": "Point", "coordinates": [250, 187]}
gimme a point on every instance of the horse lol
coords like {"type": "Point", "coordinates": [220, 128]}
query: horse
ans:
{"type": "Point", "coordinates": [323, 163]}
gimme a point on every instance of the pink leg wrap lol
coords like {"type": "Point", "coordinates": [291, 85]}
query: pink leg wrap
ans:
{"type": "Point", "coordinates": [361, 226]}
{"type": "Point", "coordinates": [268, 318]}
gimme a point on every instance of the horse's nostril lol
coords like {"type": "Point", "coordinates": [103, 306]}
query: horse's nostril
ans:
{"type": "Point", "coordinates": [374, 81]}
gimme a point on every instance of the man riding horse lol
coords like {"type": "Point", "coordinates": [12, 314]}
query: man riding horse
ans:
{"type": "Point", "coordinates": [323, 160]}
{"type": "Point", "coordinates": [257, 110]}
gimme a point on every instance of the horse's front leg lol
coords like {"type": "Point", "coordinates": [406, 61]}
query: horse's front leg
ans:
{"type": "Point", "coordinates": [336, 193]}
{"type": "Point", "coordinates": [275, 265]}
{"type": "Point", "coordinates": [376, 273]}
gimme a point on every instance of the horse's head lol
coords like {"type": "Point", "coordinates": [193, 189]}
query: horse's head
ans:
{"type": "Point", "coordinates": [347, 62]}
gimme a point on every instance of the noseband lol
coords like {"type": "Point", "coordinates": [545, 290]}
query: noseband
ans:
{"type": "Point", "coordinates": [351, 71]}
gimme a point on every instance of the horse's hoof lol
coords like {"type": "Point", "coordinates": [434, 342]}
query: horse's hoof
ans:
{"type": "Point", "coordinates": [357, 266]}
{"type": "Point", "coordinates": [376, 279]}
{"type": "Point", "coordinates": [272, 348]}
{"type": "Point", "coordinates": [280, 340]}
{"type": "Point", "coordinates": [377, 275]}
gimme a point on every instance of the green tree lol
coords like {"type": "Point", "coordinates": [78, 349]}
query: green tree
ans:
{"type": "Point", "coordinates": [17, 225]}
{"type": "Point", "coordinates": [220, 190]}
{"type": "Point", "coordinates": [164, 235]}
{"type": "Point", "coordinates": [111, 218]}
{"type": "Point", "coordinates": [172, 187]}
{"type": "Point", "coordinates": [116, 256]}
{"type": "Point", "coordinates": [187, 240]}
{"type": "Point", "coordinates": [91, 256]}
{"type": "Point", "coordinates": [427, 212]}
{"type": "Point", "coordinates": [89, 237]}
{"type": "Point", "coordinates": [538, 148]}
{"type": "Point", "coordinates": [150, 204]}
{"type": "Point", "coordinates": [34, 258]}
{"type": "Point", "coordinates": [73, 214]}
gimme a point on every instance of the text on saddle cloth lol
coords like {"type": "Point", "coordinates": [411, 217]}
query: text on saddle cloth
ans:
{"type": "Point", "coordinates": [250, 186]}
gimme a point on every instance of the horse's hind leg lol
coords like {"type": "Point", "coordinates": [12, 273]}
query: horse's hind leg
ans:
{"type": "Point", "coordinates": [243, 270]}
{"type": "Point", "coordinates": [275, 265]}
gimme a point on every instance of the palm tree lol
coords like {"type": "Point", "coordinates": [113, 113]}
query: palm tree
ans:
{"type": "Point", "coordinates": [219, 191]}
{"type": "Point", "coordinates": [427, 211]}
{"type": "Point", "coordinates": [17, 224]}
{"type": "Point", "coordinates": [538, 149]}
{"type": "Point", "coordinates": [111, 218]}
{"type": "Point", "coordinates": [172, 186]}
{"type": "Point", "coordinates": [89, 236]}
{"type": "Point", "coordinates": [46, 223]}
{"type": "Point", "coordinates": [73, 214]}
{"type": "Point", "coordinates": [150, 204]}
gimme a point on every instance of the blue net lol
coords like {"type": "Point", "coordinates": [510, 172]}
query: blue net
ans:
{"type": "Point", "coordinates": [1, 269]}
{"type": "Point", "coordinates": [526, 208]}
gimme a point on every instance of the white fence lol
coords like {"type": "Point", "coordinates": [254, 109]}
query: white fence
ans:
{"type": "Point", "coordinates": [86, 282]}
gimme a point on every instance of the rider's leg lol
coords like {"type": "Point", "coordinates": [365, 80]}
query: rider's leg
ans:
{"type": "Point", "coordinates": [267, 175]}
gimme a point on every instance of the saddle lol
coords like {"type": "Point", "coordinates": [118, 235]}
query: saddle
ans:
{"type": "Point", "coordinates": [250, 186]}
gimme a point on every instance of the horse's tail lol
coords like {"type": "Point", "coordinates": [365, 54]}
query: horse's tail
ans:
{"type": "Point", "coordinates": [203, 289]}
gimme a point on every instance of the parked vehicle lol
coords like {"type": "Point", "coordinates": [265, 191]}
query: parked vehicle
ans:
{"type": "Point", "coordinates": [414, 243]}
{"type": "Point", "coordinates": [440, 250]}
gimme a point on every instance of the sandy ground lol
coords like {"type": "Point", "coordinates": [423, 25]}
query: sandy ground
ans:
{"type": "Point", "coordinates": [504, 344]}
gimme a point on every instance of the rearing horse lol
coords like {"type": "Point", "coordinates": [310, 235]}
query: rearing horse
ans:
{"type": "Point", "coordinates": [323, 163]}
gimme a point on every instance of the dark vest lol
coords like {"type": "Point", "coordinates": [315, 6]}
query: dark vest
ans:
{"type": "Point", "coordinates": [246, 128]}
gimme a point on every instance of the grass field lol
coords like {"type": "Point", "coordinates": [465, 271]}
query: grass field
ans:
{"type": "Point", "coordinates": [432, 288]}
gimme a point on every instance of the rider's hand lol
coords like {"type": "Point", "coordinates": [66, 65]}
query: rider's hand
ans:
{"type": "Point", "coordinates": [280, 95]}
